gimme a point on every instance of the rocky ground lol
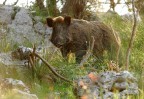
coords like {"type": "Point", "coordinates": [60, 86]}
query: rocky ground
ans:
{"type": "Point", "coordinates": [109, 85]}
{"type": "Point", "coordinates": [17, 89]}
{"type": "Point", "coordinates": [19, 26]}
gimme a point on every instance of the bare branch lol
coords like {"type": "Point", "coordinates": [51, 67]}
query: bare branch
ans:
{"type": "Point", "coordinates": [51, 68]}
{"type": "Point", "coordinates": [15, 3]}
{"type": "Point", "coordinates": [4, 2]}
{"type": "Point", "coordinates": [135, 14]}
{"type": "Point", "coordinates": [24, 53]}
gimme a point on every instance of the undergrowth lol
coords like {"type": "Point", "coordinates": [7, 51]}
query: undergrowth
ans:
{"type": "Point", "coordinates": [60, 89]}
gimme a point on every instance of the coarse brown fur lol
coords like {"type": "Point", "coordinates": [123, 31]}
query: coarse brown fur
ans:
{"type": "Point", "coordinates": [73, 35]}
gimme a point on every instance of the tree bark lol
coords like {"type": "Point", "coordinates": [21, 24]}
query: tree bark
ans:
{"type": "Point", "coordinates": [74, 8]}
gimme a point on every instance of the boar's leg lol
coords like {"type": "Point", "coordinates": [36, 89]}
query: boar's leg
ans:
{"type": "Point", "coordinates": [64, 52]}
{"type": "Point", "coordinates": [79, 55]}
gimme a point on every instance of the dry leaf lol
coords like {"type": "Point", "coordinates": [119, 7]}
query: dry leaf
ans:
{"type": "Point", "coordinates": [84, 97]}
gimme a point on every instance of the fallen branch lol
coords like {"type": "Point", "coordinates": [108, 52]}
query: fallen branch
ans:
{"type": "Point", "coordinates": [24, 53]}
{"type": "Point", "coordinates": [51, 68]}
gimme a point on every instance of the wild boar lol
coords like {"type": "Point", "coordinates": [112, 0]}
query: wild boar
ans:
{"type": "Point", "coordinates": [75, 36]}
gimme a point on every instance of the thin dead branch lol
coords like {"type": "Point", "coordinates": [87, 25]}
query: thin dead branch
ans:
{"type": "Point", "coordinates": [135, 14]}
{"type": "Point", "coordinates": [31, 54]}
{"type": "Point", "coordinates": [51, 68]}
{"type": "Point", "coordinates": [89, 52]}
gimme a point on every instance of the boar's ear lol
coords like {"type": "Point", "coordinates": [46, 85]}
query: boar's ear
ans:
{"type": "Point", "coordinates": [67, 20]}
{"type": "Point", "coordinates": [49, 22]}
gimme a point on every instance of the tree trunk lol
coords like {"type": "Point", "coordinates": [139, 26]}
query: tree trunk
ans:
{"type": "Point", "coordinates": [132, 35]}
{"type": "Point", "coordinates": [40, 4]}
{"type": "Point", "coordinates": [74, 8]}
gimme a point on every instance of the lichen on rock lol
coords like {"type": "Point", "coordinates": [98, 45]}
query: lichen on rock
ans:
{"type": "Point", "coordinates": [107, 84]}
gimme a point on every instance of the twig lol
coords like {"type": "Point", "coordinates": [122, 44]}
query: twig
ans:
{"type": "Point", "coordinates": [33, 54]}
{"type": "Point", "coordinates": [89, 52]}
{"type": "Point", "coordinates": [15, 3]}
{"type": "Point", "coordinates": [51, 68]}
{"type": "Point", "coordinates": [132, 35]}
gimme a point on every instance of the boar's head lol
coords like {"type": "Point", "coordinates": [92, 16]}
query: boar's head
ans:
{"type": "Point", "coordinates": [60, 34]}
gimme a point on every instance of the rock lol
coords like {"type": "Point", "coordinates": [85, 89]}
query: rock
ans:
{"type": "Point", "coordinates": [20, 56]}
{"type": "Point", "coordinates": [18, 94]}
{"type": "Point", "coordinates": [22, 33]}
{"type": "Point", "coordinates": [15, 89]}
{"type": "Point", "coordinates": [7, 60]}
{"type": "Point", "coordinates": [124, 75]}
{"type": "Point", "coordinates": [6, 12]}
{"type": "Point", "coordinates": [107, 76]}
{"type": "Point", "coordinates": [54, 95]}
{"type": "Point", "coordinates": [108, 84]}
{"type": "Point", "coordinates": [19, 27]}
{"type": "Point", "coordinates": [43, 30]}
{"type": "Point", "coordinates": [21, 53]}
{"type": "Point", "coordinates": [22, 18]}
{"type": "Point", "coordinates": [9, 83]}
{"type": "Point", "coordinates": [48, 32]}
{"type": "Point", "coordinates": [108, 95]}
{"type": "Point", "coordinates": [21, 30]}
{"type": "Point", "coordinates": [39, 28]}
{"type": "Point", "coordinates": [107, 79]}
{"type": "Point", "coordinates": [120, 86]}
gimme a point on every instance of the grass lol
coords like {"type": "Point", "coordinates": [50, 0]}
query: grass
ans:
{"type": "Point", "coordinates": [62, 90]}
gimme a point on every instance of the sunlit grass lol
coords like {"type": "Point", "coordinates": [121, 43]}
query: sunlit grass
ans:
{"type": "Point", "coordinates": [69, 69]}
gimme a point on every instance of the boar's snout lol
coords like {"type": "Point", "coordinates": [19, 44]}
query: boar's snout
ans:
{"type": "Point", "coordinates": [58, 41]}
